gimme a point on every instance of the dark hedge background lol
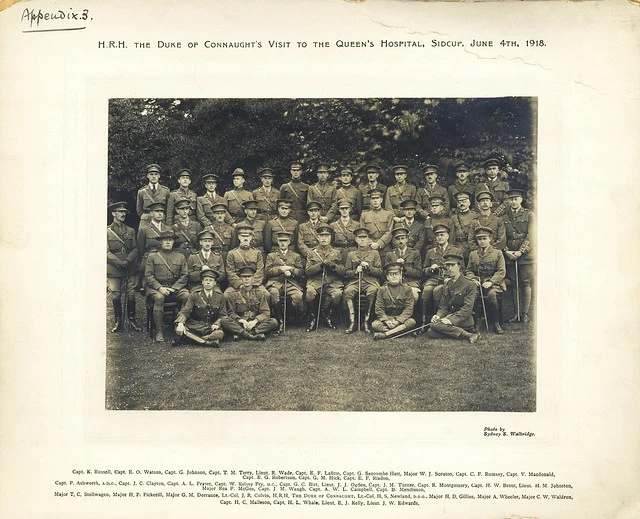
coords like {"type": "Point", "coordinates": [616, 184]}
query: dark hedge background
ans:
{"type": "Point", "coordinates": [218, 135]}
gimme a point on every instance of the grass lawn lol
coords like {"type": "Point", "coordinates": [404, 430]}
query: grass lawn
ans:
{"type": "Point", "coordinates": [325, 371]}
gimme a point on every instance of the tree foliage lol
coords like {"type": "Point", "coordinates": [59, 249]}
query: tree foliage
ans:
{"type": "Point", "coordinates": [218, 135]}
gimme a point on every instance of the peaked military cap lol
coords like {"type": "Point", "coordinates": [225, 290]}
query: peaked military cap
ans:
{"type": "Point", "coordinates": [484, 194]}
{"type": "Point", "coordinates": [211, 177]}
{"type": "Point", "coordinates": [247, 271]}
{"type": "Point", "coordinates": [153, 168]}
{"type": "Point", "coordinates": [375, 192]}
{"type": "Point", "coordinates": [438, 198]}
{"type": "Point", "coordinates": [409, 204]}
{"type": "Point", "coordinates": [430, 168]}
{"type": "Point", "coordinates": [184, 173]}
{"type": "Point", "coordinates": [453, 258]}
{"type": "Point", "coordinates": [266, 172]}
{"type": "Point", "coordinates": [400, 231]}
{"type": "Point", "coordinates": [322, 165]}
{"type": "Point", "coordinates": [283, 201]}
{"type": "Point", "coordinates": [514, 192]}
{"type": "Point", "coordinates": [218, 207]}
{"type": "Point", "coordinates": [323, 229]}
{"type": "Point", "coordinates": [491, 162]}
{"type": "Point", "coordinates": [483, 231]}
{"type": "Point", "coordinates": [313, 205]}
{"type": "Point", "coordinates": [238, 172]}
{"type": "Point", "coordinates": [441, 228]}
{"type": "Point", "coordinates": [361, 231]}
{"type": "Point", "coordinates": [372, 168]}
{"type": "Point", "coordinates": [347, 170]}
{"type": "Point", "coordinates": [463, 194]}
{"type": "Point", "coordinates": [393, 266]}
{"type": "Point", "coordinates": [157, 206]}
{"type": "Point", "coordinates": [250, 204]}
{"type": "Point", "coordinates": [295, 163]}
{"type": "Point", "coordinates": [399, 168]}
{"type": "Point", "coordinates": [203, 235]}
{"type": "Point", "coordinates": [209, 272]}
{"type": "Point", "coordinates": [244, 228]}
{"type": "Point", "coordinates": [118, 206]}
{"type": "Point", "coordinates": [463, 166]}
{"type": "Point", "coordinates": [344, 203]}
{"type": "Point", "coordinates": [167, 234]}
{"type": "Point", "coordinates": [284, 234]}
{"type": "Point", "coordinates": [183, 203]}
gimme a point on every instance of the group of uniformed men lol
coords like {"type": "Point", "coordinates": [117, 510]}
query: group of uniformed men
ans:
{"type": "Point", "coordinates": [234, 262]}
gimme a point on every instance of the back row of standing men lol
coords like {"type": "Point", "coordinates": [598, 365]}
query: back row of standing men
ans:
{"type": "Point", "coordinates": [432, 229]}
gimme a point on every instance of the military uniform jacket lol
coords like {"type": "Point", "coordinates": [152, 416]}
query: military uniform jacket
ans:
{"type": "Point", "coordinates": [315, 259]}
{"type": "Point", "coordinates": [394, 301]}
{"type": "Point", "coordinates": [307, 237]}
{"type": "Point", "coordinates": [146, 197]}
{"type": "Point", "coordinates": [370, 275]}
{"type": "Point", "coordinates": [257, 242]}
{"type": "Point", "coordinates": [266, 201]}
{"type": "Point", "coordinates": [234, 199]}
{"type": "Point", "coordinates": [148, 238]}
{"type": "Point", "coordinates": [457, 187]}
{"type": "Point", "coordinates": [275, 278]}
{"type": "Point", "coordinates": [121, 246]}
{"type": "Point", "coordinates": [296, 192]}
{"type": "Point", "coordinates": [202, 309]}
{"type": "Point", "coordinates": [497, 188]}
{"type": "Point", "coordinates": [186, 236]}
{"type": "Point", "coordinates": [379, 224]}
{"type": "Point", "coordinates": [520, 229]}
{"type": "Point", "coordinates": [431, 222]}
{"type": "Point", "coordinates": [417, 233]}
{"type": "Point", "coordinates": [197, 261]}
{"type": "Point", "coordinates": [324, 194]}
{"type": "Point", "coordinates": [396, 195]}
{"type": "Point", "coordinates": [350, 193]}
{"type": "Point", "coordinates": [343, 232]}
{"type": "Point", "coordinates": [166, 270]}
{"type": "Point", "coordinates": [436, 255]}
{"type": "Point", "coordinates": [423, 198]}
{"type": "Point", "coordinates": [461, 223]}
{"type": "Point", "coordinates": [493, 222]}
{"type": "Point", "coordinates": [221, 235]}
{"type": "Point", "coordinates": [204, 214]}
{"type": "Point", "coordinates": [175, 197]}
{"type": "Point", "coordinates": [248, 304]}
{"type": "Point", "coordinates": [487, 266]}
{"type": "Point", "coordinates": [412, 266]}
{"type": "Point", "coordinates": [364, 193]}
{"type": "Point", "coordinates": [458, 298]}
{"type": "Point", "coordinates": [277, 225]}
{"type": "Point", "coordinates": [239, 258]}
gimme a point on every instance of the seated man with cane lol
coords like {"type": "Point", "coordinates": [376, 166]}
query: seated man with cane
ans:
{"type": "Point", "coordinates": [487, 268]}
{"type": "Point", "coordinates": [284, 273]}
{"type": "Point", "coordinates": [200, 319]}
{"type": "Point", "coordinates": [394, 305]}
{"type": "Point", "coordinates": [454, 317]}
{"type": "Point", "coordinates": [166, 276]}
{"type": "Point", "coordinates": [324, 272]}
{"type": "Point", "coordinates": [362, 270]}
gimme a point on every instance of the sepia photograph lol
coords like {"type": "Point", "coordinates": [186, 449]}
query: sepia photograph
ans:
{"type": "Point", "coordinates": [326, 254]}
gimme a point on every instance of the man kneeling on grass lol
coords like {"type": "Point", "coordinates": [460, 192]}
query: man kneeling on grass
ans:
{"type": "Point", "coordinates": [454, 317]}
{"type": "Point", "coordinates": [200, 319]}
{"type": "Point", "coordinates": [248, 315]}
{"type": "Point", "coordinates": [394, 305]}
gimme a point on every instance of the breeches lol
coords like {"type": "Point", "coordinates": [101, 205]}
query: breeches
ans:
{"type": "Point", "coordinates": [115, 286]}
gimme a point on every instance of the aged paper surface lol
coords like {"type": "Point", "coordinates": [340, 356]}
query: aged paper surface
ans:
{"type": "Point", "coordinates": [54, 92]}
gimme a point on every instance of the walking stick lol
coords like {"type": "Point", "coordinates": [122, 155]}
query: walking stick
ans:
{"type": "Point", "coordinates": [124, 290]}
{"type": "Point", "coordinates": [284, 316]}
{"type": "Point", "coordinates": [413, 330]}
{"type": "Point", "coordinates": [320, 300]}
{"type": "Point", "coordinates": [517, 291]}
{"type": "Point", "coordinates": [484, 308]}
{"type": "Point", "coordinates": [359, 300]}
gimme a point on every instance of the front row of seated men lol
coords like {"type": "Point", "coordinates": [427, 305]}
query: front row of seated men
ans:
{"type": "Point", "coordinates": [249, 310]}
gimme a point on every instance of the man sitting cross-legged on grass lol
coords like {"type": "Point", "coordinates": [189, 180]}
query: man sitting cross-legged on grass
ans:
{"type": "Point", "coordinates": [454, 317]}
{"type": "Point", "coordinates": [394, 305]}
{"type": "Point", "coordinates": [248, 315]}
{"type": "Point", "coordinates": [200, 319]}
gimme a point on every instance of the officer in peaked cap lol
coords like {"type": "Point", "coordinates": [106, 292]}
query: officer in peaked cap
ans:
{"type": "Point", "coordinates": [454, 316]}
{"type": "Point", "coordinates": [186, 229]}
{"type": "Point", "coordinates": [152, 193]}
{"type": "Point", "coordinates": [237, 196]}
{"type": "Point", "coordinates": [462, 183]}
{"type": "Point", "coordinates": [307, 231]}
{"type": "Point", "coordinates": [372, 173]}
{"type": "Point", "coordinates": [400, 191]}
{"type": "Point", "coordinates": [207, 257]}
{"type": "Point", "coordinates": [204, 203]}
{"type": "Point", "coordinates": [248, 311]}
{"type": "Point", "coordinates": [296, 191]}
{"type": "Point", "coordinates": [266, 195]}
{"type": "Point", "coordinates": [409, 257]}
{"type": "Point", "coordinates": [394, 305]}
{"type": "Point", "coordinates": [485, 218]}
{"type": "Point", "coordinates": [345, 189]}
{"type": "Point", "coordinates": [182, 193]}
{"type": "Point", "coordinates": [378, 221]}
{"type": "Point", "coordinates": [322, 192]}
{"type": "Point", "coordinates": [282, 222]}
{"type": "Point", "coordinates": [415, 229]}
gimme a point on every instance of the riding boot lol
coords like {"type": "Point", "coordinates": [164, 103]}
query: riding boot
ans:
{"type": "Point", "coordinates": [352, 316]}
{"type": "Point", "coordinates": [117, 311]}
{"type": "Point", "coordinates": [277, 314]}
{"type": "Point", "coordinates": [312, 322]}
{"type": "Point", "coordinates": [158, 318]}
{"type": "Point", "coordinates": [367, 317]}
{"type": "Point", "coordinates": [131, 310]}
{"type": "Point", "coordinates": [328, 319]}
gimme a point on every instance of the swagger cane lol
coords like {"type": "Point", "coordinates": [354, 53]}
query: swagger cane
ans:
{"type": "Point", "coordinates": [517, 291]}
{"type": "Point", "coordinates": [413, 330]}
{"type": "Point", "coordinates": [484, 308]}
{"type": "Point", "coordinates": [124, 291]}
{"type": "Point", "coordinates": [284, 312]}
{"type": "Point", "coordinates": [359, 300]}
{"type": "Point", "coordinates": [320, 300]}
